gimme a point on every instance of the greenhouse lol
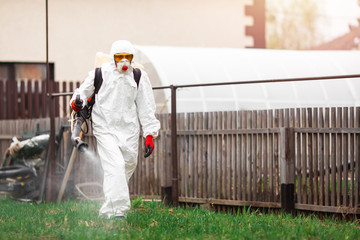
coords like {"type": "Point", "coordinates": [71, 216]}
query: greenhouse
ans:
{"type": "Point", "coordinates": [182, 66]}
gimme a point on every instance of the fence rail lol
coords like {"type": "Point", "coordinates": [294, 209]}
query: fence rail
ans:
{"type": "Point", "coordinates": [244, 158]}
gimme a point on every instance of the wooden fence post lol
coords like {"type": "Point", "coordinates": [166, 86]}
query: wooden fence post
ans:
{"type": "Point", "coordinates": [174, 161]}
{"type": "Point", "coordinates": [287, 169]}
{"type": "Point", "coordinates": [166, 168]}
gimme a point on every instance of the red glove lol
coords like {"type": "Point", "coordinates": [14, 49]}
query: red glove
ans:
{"type": "Point", "coordinates": [149, 146]}
{"type": "Point", "coordinates": [77, 105]}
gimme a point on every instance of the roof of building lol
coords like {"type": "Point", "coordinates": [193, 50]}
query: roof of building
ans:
{"type": "Point", "coordinates": [181, 65]}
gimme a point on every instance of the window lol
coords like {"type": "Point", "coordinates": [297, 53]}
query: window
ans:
{"type": "Point", "coordinates": [10, 71]}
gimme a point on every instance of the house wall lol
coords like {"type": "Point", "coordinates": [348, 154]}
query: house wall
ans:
{"type": "Point", "coordinates": [79, 29]}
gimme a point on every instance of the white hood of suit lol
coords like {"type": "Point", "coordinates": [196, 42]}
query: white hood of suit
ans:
{"type": "Point", "coordinates": [121, 46]}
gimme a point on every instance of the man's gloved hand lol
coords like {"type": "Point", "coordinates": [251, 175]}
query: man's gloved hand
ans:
{"type": "Point", "coordinates": [149, 146]}
{"type": "Point", "coordinates": [77, 104]}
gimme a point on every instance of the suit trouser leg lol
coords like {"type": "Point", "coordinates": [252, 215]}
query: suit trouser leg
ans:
{"type": "Point", "coordinates": [116, 191]}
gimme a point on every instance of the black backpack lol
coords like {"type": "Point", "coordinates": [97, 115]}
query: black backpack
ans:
{"type": "Point", "coordinates": [98, 81]}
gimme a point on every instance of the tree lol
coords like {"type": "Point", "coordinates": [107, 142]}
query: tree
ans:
{"type": "Point", "coordinates": [292, 24]}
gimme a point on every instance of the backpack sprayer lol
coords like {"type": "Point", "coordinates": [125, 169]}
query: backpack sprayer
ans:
{"type": "Point", "coordinates": [78, 118]}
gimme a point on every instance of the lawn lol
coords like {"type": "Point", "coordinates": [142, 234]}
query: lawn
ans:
{"type": "Point", "coordinates": [152, 220]}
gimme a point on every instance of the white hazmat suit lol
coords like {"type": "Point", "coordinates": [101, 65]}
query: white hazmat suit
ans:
{"type": "Point", "coordinates": [119, 104]}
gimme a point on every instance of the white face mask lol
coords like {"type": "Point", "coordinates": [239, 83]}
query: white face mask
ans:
{"type": "Point", "coordinates": [123, 65]}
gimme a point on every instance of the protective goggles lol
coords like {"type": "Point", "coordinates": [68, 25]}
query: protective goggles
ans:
{"type": "Point", "coordinates": [120, 56]}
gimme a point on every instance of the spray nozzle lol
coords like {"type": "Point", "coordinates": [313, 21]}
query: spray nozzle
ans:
{"type": "Point", "coordinates": [78, 99]}
{"type": "Point", "coordinates": [81, 145]}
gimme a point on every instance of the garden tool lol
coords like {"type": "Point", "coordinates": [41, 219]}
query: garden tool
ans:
{"type": "Point", "coordinates": [78, 119]}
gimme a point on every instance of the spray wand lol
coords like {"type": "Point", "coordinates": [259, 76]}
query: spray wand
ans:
{"type": "Point", "coordinates": [78, 118]}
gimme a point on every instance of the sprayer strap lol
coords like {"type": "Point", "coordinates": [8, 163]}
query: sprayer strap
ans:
{"type": "Point", "coordinates": [137, 75]}
{"type": "Point", "coordinates": [97, 80]}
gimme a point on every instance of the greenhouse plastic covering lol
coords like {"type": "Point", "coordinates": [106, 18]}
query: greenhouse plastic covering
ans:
{"type": "Point", "coordinates": [181, 66]}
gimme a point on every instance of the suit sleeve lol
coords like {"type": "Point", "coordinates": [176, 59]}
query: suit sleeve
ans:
{"type": "Point", "coordinates": [86, 89]}
{"type": "Point", "coordinates": [146, 107]}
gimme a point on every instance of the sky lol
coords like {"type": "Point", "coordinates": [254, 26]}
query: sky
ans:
{"type": "Point", "coordinates": [337, 15]}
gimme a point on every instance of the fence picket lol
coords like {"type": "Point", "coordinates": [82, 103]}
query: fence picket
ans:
{"type": "Point", "coordinates": [286, 117]}
{"type": "Point", "coordinates": [43, 98]}
{"type": "Point", "coordinates": [219, 156]}
{"type": "Point", "coordinates": [234, 156]}
{"type": "Point", "coordinates": [345, 156]}
{"type": "Point", "coordinates": [281, 121]}
{"type": "Point", "coordinates": [248, 157]}
{"type": "Point", "coordinates": [310, 157]}
{"type": "Point", "coordinates": [258, 159]}
{"type": "Point", "coordinates": [238, 159]}
{"type": "Point", "coordinates": [243, 156]}
{"type": "Point", "coordinates": [207, 158]}
{"type": "Point", "coordinates": [320, 154]}
{"type": "Point", "coordinates": [64, 99]}
{"type": "Point", "coordinates": [351, 141]}
{"type": "Point", "coordinates": [333, 156]}
{"type": "Point", "coordinates": [29, 100]}
{"type": "Point", "coordinates": [197, 157]}
{"type": "Point", "coordinates": [327, 158]}
{"type": "Point", "coordinates": [22, 100]}
{"type": "Point", "coordinates": [210, 157]}
{"type": "Point", "coordinates": [2, 91]}
{"type": "Point", "coordinates": [298, 156]}
{"type": "Point", "coordinates": [271, 156]}
{"type": "Point", "coordinates": [338, 158]}
{"type": "Point", "coordinates": [14, 100]}
{"type": "Point", "coordinates": [204, 157]}
{"type": "Point", "coordinates": [197, 175]}
{"type": "Point", "coordinates": [191, 166]}
{"type": "Point", "coordinates": [37, 100]}
{"type": "Point", "coordinates": [264, 157]}
{"type": "Point", "coordinates": [183, 161]}
{"type": "Point", "coordinates": [251, 157]}
{"type": "Point", "coordinates": [229, 155]}
{"type": "Point", "coordinates": [225, 156]}
{"type": "Point", "coordinates": [223, 160]}
{"type": "Point", "coordinates": [214, 156]}
{"type": "Point", "coordinates": [276, 124]}
{"type": "Point", "coordinates": [56, 88]}
{"type": "Point", "coordinates": [357, 160]}
{"type": "Point", "coordinates": [254, 155]}
{"type": "Point", "coordinates": [303, 158]}
{"type": "Point", "coordinates": [9, 109]}
{"type": "Point", "coordinates": [315, 157]}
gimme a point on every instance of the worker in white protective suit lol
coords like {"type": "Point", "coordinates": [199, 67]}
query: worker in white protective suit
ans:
{"type": "Point", "coordinates": [119, 104]}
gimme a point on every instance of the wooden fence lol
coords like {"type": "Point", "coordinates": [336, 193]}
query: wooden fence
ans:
{"type": "Point", "coordinates": [235, 158]}
{"type": "Point", "coordinates": [238, 159]}
{"type": "Point", "coordinates": [28, 99]}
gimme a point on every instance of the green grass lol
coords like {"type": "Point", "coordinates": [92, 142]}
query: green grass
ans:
{"type": "Point", "coordinates": [152, 220]}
